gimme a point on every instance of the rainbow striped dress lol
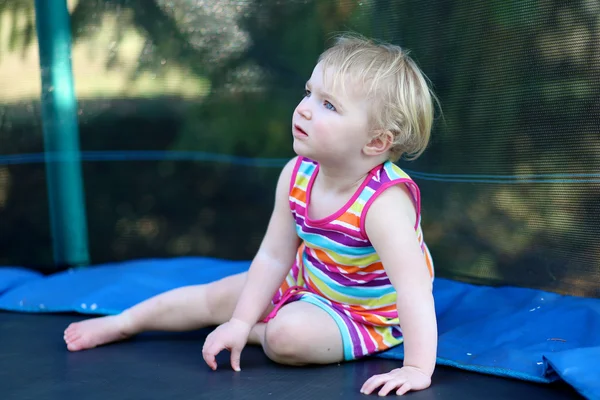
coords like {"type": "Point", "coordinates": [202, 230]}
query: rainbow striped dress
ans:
{"type": "Point", "coordinates": [336, 267]}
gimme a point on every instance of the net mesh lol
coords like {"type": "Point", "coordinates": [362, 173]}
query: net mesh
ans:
{"type": "Point", "coordinates": [184, 119]}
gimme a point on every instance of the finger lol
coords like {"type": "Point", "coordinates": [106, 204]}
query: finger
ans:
{"type": "Point", "coordinates": [390, 385]}
{"type": "Point", "coordinates": [210, 361]}
{"type": "Point", "coordinates": [236, 354]}
{"type": "Point", "coordinates": [403, 389]}
{"type": "Point", "coordinates": [373, 383]}
{"type": "Point", "coordinates": [209, 353]}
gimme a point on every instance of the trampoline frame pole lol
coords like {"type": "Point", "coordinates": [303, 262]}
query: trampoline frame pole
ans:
{"type": "Point", "coordinates": [61, 136]}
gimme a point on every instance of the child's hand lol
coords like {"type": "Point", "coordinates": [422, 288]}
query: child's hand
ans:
{"type": "Point", "coordinates": [233, 336]}
{"type": "Point", "coordinates": [403, 379]}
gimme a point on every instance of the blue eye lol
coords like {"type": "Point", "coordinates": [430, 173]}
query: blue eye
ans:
{"type": "Point", "coordinates": [329, 106]}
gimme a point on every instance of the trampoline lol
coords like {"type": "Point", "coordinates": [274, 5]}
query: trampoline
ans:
{"type": "Point", "coordinates": [159, 366]}
{"type": "Point", "coordinates": [131, 173]}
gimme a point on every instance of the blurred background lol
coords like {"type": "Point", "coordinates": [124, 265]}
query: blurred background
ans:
{"type": "Point", "coordinates": [510, 183]}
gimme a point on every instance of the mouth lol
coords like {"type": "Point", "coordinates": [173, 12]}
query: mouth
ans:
{"type": "Point", "coordinates": [299, 132]}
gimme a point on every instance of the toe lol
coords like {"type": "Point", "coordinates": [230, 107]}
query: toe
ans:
{"type": "Point", "coordinates": [72, 336]}
{"type": "Point", "coordinates": [79, 344]}
{"type": "Point", "coordinates": [74, 344]}
{"type": "Point", "coordinates": [70, 328]}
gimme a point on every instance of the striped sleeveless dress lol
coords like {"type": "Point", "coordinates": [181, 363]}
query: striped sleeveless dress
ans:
{"type": "Point", "coordinates": [336, 267]}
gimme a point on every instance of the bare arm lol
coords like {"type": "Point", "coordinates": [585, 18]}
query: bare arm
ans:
{"type": "Point", "coordinates": [390, 227]}
{"type": "Point", "coordinates": [274, 257]}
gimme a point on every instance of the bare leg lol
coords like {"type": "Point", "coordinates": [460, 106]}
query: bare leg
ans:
{"type": "Point", "coordinates": [181, 309]}
{"type": "Point", "coordinates": [300, 334]}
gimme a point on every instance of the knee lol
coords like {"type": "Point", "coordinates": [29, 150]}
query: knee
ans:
{"type": "Point", "coordinates": [283, 341]}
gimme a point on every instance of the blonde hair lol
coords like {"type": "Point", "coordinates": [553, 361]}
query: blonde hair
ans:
{"type": "Point", "coordinates": [402, 100]}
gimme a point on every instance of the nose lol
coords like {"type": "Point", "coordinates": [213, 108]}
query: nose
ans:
{"type": "Point", "coordinates": [304, 109]}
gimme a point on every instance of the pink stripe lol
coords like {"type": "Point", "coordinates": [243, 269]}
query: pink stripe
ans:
{"type": "Point", "coordinates": [385, 314]}
{"type": "Point", "coordinates": [286, 296]}
{"type": "Point", "coordinates": [341, 210]}
{"type": "Point", "coordinates": [358, 278]}
{"type": "Point", "coordinates": [294, 173]}
{"type": "Point", "coordinates": [367, 339]}
{"type": "Point", "coordinates": [353, 233]}
{"type": "Point", "coordinates": [298, 207]}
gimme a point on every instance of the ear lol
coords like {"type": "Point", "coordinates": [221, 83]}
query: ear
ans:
{"type": "Point", "coordinates": [380, 142]}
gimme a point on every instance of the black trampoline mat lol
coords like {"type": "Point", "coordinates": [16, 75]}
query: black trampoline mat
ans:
{"type": "Point", "coordinates": [37, 365]}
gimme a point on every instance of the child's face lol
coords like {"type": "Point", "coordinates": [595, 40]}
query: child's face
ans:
{"type": "Point", "coordinates": [330, 126]}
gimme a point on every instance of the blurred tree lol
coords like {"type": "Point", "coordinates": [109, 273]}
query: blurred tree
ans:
{"type": "Point", "coordinates": [21, 31]}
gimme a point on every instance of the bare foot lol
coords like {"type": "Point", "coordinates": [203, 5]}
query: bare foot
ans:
{"type": "Point", "coordinates": [96, 332]}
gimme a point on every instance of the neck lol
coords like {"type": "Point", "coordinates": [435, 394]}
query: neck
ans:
{"type": "Point", "coordinates": [345, 176]}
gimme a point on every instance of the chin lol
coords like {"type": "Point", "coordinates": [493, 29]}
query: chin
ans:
{"type": "Point", "coordinates": [301, 150]}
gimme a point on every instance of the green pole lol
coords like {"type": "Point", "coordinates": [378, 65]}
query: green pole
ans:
{"type": "Point", "coordinates": [61, 136]}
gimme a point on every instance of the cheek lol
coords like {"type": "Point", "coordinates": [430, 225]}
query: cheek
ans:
{"type": "Point", "coordinates": [324, 121]}
{"type": "Point", "coordinates": [327, 132]}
